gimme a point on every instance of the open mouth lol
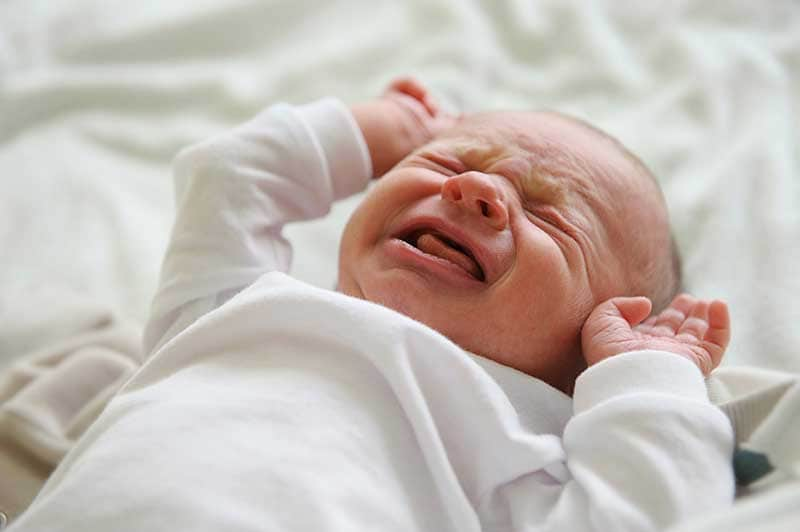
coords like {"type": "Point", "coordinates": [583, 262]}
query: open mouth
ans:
{"type": "Point", "coordinates": [438, 245]}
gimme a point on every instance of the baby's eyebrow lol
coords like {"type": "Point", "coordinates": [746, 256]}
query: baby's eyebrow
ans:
{"type": "Point", "coordinates": [539, 185]}
{"type": "Point", "coordinates": [533, 177]}
{"type": "Point", "coordinates": [481, 155]}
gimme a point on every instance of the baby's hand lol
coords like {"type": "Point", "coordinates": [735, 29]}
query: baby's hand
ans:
{"type": "Point", "coordinates": [692, 328]}
{"type": "Point", "coordinates": [404, 118]}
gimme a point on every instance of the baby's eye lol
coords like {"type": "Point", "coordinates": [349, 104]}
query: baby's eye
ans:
{"type": "Point", "coordinates": [535, 213]}
{"type": "Point", "coordinates": [447, 162]}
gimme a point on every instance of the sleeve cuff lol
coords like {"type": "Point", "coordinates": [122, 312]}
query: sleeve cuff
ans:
{"type": "Point", "coordinates": [342, 143]}
{"type": "Point", "coordinates": [638, 372]}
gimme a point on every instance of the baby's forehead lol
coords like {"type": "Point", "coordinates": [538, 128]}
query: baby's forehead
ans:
{"type": "Point", "coordinates": [544, 135]}
{"type": "Point", "coordinates": [549, 153]}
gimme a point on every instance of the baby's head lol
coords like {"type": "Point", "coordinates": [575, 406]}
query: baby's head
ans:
{"type": "Point", "coordinates": [506, 231]}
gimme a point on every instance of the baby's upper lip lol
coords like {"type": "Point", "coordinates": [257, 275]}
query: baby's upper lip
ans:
{"type": "Point", "coordinates": [451, 231]}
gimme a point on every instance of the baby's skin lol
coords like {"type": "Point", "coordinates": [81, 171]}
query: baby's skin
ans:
{"type": "Point", "coordinates": [525, 237]}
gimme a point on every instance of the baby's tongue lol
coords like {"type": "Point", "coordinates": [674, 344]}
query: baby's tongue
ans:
{"type": "Point", "coordinates": [433, 245]}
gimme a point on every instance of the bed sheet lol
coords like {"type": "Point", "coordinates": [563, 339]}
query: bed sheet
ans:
{"type": "Point", "coordinates": [96, 96]}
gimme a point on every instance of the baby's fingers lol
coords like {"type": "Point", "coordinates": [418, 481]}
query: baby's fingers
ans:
{"type": "Point", "coordinates": [718, 335]}
{"type": "Point", "coordinates": [671, 318]}
{"type": "Point", "coordinates": [707, 325]}
{"type": "Point", "coordinates": [696, 322]}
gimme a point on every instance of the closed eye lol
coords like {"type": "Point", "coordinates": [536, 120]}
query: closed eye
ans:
{"type": "Point", "coordinates": [551, 217]}
{"type": "Point", "coordinates": [445, 163]}
{"type": "Point", "coordinates": [557, 234]}
{"type": "Point", "coordinates": [539, 212]}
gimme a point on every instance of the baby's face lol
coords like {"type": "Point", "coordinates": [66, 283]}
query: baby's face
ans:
{"type": "Point", "coordinates": [503, 235]}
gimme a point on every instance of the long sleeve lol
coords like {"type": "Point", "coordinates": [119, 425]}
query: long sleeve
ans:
{"type": "Point", "coordinates": [645, 448]}
{"type": "Point", "coordinates": [234, 193]}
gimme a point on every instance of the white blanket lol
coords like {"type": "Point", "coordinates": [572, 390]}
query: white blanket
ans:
{"type": "Point", "coordinates": [97, 95]}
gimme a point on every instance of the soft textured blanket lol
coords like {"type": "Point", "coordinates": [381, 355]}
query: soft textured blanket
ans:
{"type": "Point", "coordinates": [96, 96]}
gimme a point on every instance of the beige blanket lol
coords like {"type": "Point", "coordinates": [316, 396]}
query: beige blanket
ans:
{"type": "Point", "coordinates": [49, 397]}
{"type": "Point", "coordinates": [97, 95]}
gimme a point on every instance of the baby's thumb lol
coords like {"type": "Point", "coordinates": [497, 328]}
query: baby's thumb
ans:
{"type": "Point", "coordinates": [609, 326]}
{"type": "Point", "coordinates": [615, 316]}
{"type": "Point", "coordinates": [634, 310]}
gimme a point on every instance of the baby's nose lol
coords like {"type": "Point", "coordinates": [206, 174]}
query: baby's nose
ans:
{"type": "Point", "coordinates": [478, 194]}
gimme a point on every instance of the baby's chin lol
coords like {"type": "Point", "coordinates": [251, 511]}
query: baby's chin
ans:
{"type": "Point", "coordinates": [349, 288]}
{"type": "Point", "coordinates": [560, 375]}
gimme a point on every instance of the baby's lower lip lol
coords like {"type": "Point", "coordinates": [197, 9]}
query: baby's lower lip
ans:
{"type": "Point", "coordinates": [441, 269]}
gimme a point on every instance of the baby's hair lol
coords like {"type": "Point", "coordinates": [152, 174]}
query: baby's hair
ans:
{"type": "Point", "coordinates": [672, 283]}
{"type": "Point", "coordinates": [667, 281]}
{"type": "Point", "coordinates": [665, 278]}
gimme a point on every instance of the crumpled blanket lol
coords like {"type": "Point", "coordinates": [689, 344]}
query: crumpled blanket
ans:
{"type": "Point", "coordinates": [97, 95]}
{"type": "Point", "coordinates": [764, 408]}
{"type": "Point", "coordinates": [50, 396]}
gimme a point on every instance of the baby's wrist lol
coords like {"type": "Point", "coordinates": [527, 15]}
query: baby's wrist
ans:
{"type": "Point", "coordinates": [386, 132]}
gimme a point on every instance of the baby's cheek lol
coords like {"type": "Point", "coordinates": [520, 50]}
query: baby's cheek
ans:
{"type": "Point", "coordinates": [371, 216]}
{"type": "Point", "coordinates": [543, 277]}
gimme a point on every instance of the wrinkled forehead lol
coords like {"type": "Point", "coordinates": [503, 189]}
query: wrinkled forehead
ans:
{"type": "Point", "coordinates": [556, 157]}
{"type": "Point", "coordinates": [547, 147]}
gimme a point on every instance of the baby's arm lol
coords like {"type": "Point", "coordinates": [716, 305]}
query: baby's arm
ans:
{"type": "Point", "coordinates": [403, 119]}
{"type": "Point", "coordinates": [234, 192]}
{"type": "Point", "coordinates": [645, 448]}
